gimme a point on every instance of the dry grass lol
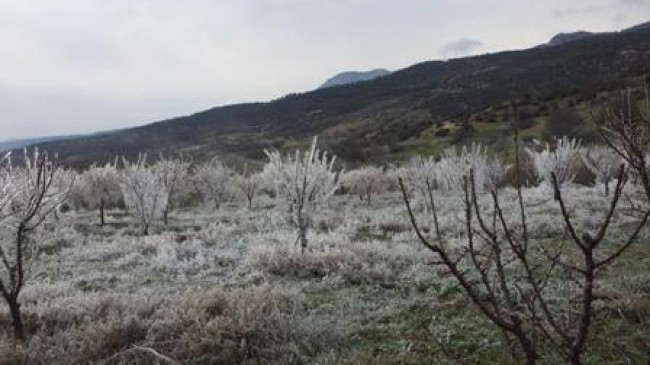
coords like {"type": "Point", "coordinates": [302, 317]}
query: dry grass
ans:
{"type": "Point", "coordinates": [229, 287]}
{"type": "Point", "coordinates": [196, 327]}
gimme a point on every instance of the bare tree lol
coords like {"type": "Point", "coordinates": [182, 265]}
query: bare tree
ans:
{"type": "Point", "coordinates": [365, 181]}
{"type": "Point", "coordinates": [508, 278]}
{"type": "Point", "coordinates": [455, 164]}
{"type": "Point", "coordinates": [603, 162]}
{"type": "Point", "coordinates": [248, 184]}
{"type": "Point", "coordinates": [561, 160]}
{"type": "Point", "coordinates": [304, 181]}
{"type": "Point", "coordinates": [143, 191]}
{"type": "Point", "coordinates": [212, 180]}
{"type": "Point", "coordinates": [102, 188]}
{"type": "Point", "coordinates": [625, 127]}
{"type": "Point", "coordinates": [28, 196]}
{"type": "Point", "coordinates": [171, 172]}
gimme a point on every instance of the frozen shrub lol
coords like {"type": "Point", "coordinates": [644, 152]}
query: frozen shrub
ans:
{"type": "Point", "coordinates": [283, 260]}
{"type": "Point", "coordinates": [235, 326]}
{"type": "Point", "coordinates": [354, 263]}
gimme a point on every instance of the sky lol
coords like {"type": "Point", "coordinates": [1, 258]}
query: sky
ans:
{"type": "Point", "coordinates": [80, 66]}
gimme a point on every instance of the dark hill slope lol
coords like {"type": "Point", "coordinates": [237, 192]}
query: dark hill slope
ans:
{"type": "Point", "coordinates": [414, 97]}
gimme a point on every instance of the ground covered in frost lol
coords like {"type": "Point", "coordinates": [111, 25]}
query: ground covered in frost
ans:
{"type": "Point", "coordinates": [231, 287]}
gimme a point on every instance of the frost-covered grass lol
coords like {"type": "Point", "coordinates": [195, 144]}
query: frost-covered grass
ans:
{"type": "Point", "coordinates": [232, 287]}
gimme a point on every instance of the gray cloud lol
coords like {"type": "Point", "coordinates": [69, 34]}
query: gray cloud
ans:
{"type": "Point", "coordinates": [460, 47]}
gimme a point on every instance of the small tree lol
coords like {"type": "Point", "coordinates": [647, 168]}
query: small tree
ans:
{"type": "Point", "coordinates": [365, 181]}
{"type": "Point", "coordinates": [603, 162]}
{"type": "Point", "coordinates": [143, 192]}
{"type": "Point", "coordinates": [212, 181]}
{"type": "Point", "coordinates": [625, 126]}
{"type": "Point", "coordinates": [28, 195]}
{"type": "Point", "coordinates": [102, 188]}
{"type": "Point", "coordinates": [249, 185]}
{"type": "Point", "coordinates": [562, 160]}
{"type": "Point", "coordinates": [171, 172]}
{"type": "Point", "coordinates": [455, 164]}
{"type": "Point", "coordinates": [304, 181]}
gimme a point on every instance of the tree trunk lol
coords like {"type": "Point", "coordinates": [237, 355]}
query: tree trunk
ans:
{"type": "Point", "coordinates": [102, 220]}
{"type": "Point", "coordinates": [17, 322]}
{"type": "Point", "coordinates": [586, 312]}
{"type": "Point", "coordinates": [166, 216]}
{"type": "Point", "coordinates": [607, 188]}
{"type": "Point", "coordinates": [303, 238]}
{"type": "Point", "coordinates": [529, 350]}
{"type": "Point", "coordinates": [645, 180]}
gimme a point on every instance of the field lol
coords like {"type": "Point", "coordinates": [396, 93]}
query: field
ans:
{"type": "Point", "coordinates": [230, 286]}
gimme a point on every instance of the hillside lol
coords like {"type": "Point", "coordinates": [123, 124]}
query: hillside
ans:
{"type": "Point", "coordinates": [13, 144]}
{"type": "Point", "coordinates": [421, 108]}
{"type": "Point", "coordinates": [351, 77]}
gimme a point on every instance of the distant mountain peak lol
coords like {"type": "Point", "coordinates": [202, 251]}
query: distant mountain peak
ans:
{"type": "Point", "coordinates": [351, 77]}
{"type": "Point", "coordinates": [562, 38]}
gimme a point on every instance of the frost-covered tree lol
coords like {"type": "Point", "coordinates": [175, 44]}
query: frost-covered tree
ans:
{"type": "Point", "coordinates": [562, 159]}
{"type": "Point", "coordinates": [603, 162]}
{"type": "Point", "coordinates": [65, 180]}
{"type": "Point", "coordinates": [29, 194]}
{"type": "Point", "coordinates": [171, 172]}
{"type": "Point", "coordinates": [213, 182]}
{"type": "Point", "coordinates": [101, 188]}
{"type": "Point", "coordinates": [143, 191]}
{"type": "Point", "coordinates": [455, 165]}
{"type": "Point", "coordinates": [249, 185]}
{"type": "Point", "coordinates": [304, 181]}
{"type": "Point", "coordinates": [365, 181]}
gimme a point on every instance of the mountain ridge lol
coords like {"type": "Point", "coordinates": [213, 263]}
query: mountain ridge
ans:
{"type": "Point", "coordinates": [375, 116]}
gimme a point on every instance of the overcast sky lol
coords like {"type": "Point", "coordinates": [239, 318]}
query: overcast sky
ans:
{"type": "Point", "coordinates": [78, 66]}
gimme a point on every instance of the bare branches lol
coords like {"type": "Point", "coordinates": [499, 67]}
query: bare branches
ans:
{"type": "Point", "coordinates": [304, 181]}
{"type": "Point", "coordinates": [212, 180]}
{"type": "Point", "coordinates": [171, 172]}
{"type": "Point", "coordinates": [143, 191]}
{"type": "Point", "coordinates": [625, 127]}
{"type": "Point", "coordinates": [249, 184]}
{"type": "Point", "coordinates": [365, 182]}
{"type": "Point", "coordinates": [496, 267]}
{"type": "Point", "coordinates": [28, 196]}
